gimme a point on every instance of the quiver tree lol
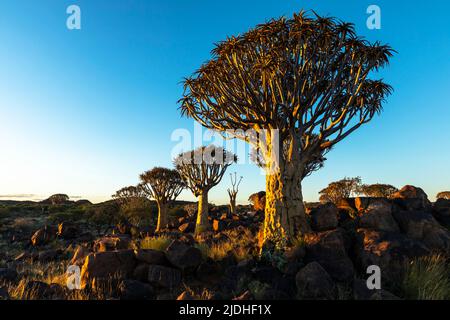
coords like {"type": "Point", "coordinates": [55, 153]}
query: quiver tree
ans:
{"type": "Point", "coordinates": [128, 194]}
{"type": "Point", "coordinates": [202, 169]}
{"type": "Point", "coordinates": [163, 185]}
{"type": "Point", "coordinates": [377, 190]}
{"type": "Point", "coordinates": [233, 191]}
{"type": "Point", "coordinates": [341, 189]}
{"type": "Point", "coordinates": [303, 84]}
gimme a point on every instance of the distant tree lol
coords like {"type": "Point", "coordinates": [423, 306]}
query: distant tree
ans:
{"type": "Point", "coordinates": [58, 199]}
{"type": "Point", "coordinates": [443, 195]}
{"type": "Point", "coordinates": [202, 169]}
{"type": "Point", "coordinates": [164, 185]}
{"type": "Point", "coordinates": [309, 78]}
{"type": "Point", "coordinates": [233, 191]}
{"type": "Point", "coordinates": [341, 189]}
{"type": "Point", "coordinates": [377, 190]}
{"type": "Point", "coordinates": [258, 201]}
{"type": "Point", "coordinates": [128, 194]}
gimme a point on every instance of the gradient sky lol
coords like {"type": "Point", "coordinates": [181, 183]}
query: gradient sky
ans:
{"type": "Point", "coordinates": [83, 112]}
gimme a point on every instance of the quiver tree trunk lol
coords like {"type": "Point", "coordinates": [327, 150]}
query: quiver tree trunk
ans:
{"type": "Point", "coordinates": [202, 224]}
{"type": "Point", "coordinates": [163, 218]}
{"type": "Point", "coordinates": [285, 216]}
{"type": "Point", "coordinates": [232, 205]}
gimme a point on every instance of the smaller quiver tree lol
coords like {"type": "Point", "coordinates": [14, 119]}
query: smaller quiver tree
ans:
{"type": "Point", "coordinates": [233, 191]}
{"type": "Point", "coordinates": [202, 169]}
{"type": "Point", "coordinates": [164, 186]}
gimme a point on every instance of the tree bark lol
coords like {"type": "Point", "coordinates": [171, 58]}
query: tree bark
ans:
{"type": "Point", "coordinates": [285, 215]}
{"type": "Point", "coordinates": [232, 205]}
{"type": "Point", "coordinates": [202, 224]}
{"type": "Point", "coordinates": [163, 219]}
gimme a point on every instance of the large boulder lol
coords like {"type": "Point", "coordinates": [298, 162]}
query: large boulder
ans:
{"type": "Point", "coordinates": [412, 198]}
{"type": "Point", "coordinates": [187, 227]}
{"type": "Point", "coordinates": [112, 243]}
{"type": "Point", "coordinates": [48, 255]}
{"type": "Point", "coordinates": [7, 274]}
{"type": "Point", "coordinates": [420, 225]}
{"type": "Point", "coordinates": [313, 282]}
{"type": "Point", "coordinates": [390, 251]}
{"type": "Point", "coordinates": [182, 255]}
{"type": "Point", "coordinates": [67, 231]}
{"type": "Point", "coordinates": [150, 256]}
{"type": "Point", "coordinates": [164, 277]}
{"type": "Point", "coordinates": [376, 213]}
{"type": "Point", "coordinates": [324, 217]}
{"type": "Point", "coordinates": [43, 236]}
{"type": "Point", "coordinates": [328, 248]}
{"type": "Point", "coordinates": [81, 252]}
{"type": "Point", "coordinates": [120, 264]}
{"type": "Point", "coordinates": [441, 211]}
{"type": "Point", "coordinates": [135, 290]}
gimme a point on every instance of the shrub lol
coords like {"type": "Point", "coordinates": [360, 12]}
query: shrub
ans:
{"type": "Point", "coordinates": [427, 278]}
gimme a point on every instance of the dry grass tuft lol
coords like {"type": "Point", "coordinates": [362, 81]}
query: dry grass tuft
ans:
{"type": "Point", "coordinates": [427, 278]}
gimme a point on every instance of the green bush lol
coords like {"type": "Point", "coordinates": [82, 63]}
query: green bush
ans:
{"type": "Point", "coordinates": [427, 278]}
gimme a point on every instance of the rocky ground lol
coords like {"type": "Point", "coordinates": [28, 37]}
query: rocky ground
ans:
{"type": "Point", "coordinates": [407, 236]}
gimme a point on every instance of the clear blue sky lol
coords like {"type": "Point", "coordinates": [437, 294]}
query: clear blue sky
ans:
{"type": "Point", "coordinates": [83, 112]}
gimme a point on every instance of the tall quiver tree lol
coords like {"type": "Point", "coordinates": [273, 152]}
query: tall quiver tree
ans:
{"type": "Point", "coordinates": [164, 185]}
{"type": "Point", "coordinates": [202, 169]}
{"type": "Point", "coordinates": [309, 78]}
{"type": "Point", "coordinates": [233, 191]}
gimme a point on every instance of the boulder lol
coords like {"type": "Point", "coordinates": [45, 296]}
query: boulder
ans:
{"type": "Point", "coordinates": [420, 225]}
{"type": "Point", "coordinates": [218, 225]}
{"type": "Point", "coordinates": [112, 243]}
{"type": "Point", "coordinates": [361, 292]}
{"type": "Point", "coordinates": [313, 282]}
{"type": "Point", "coordinates": [150, 256]}
{"type": "Point", "coordinates": [328, 248]}
{"type": "Point", "coordinates": [324, 217]}
{"type": "Point", "coordinates": [376, 213]}
{"type": "Point", "coordinates": [412, 198]}
{"type": "Point", "coordinates": [135, 290]}
{"type": "Point", "coordinates": [363, 204]}
{"type": "Point", "coordinates": [390, 251]}
{"type": "Point", "coordinates": [441, 211]}
{"type": "Point", "coordinates": [4, 295]}
{"type": "Point", "coordinates": [37, 290]}
{"type": "Point", "coordinates": [164, 277]}
{"type": "Point", "coordinates": [7, 274]}
{"type": "Point", "coordinates": [187, 227]}
{"type": "Point", "coordinates": [81, 252]}
{"type": "Point", "coordinates": [182, 255]}
{"type": "Point", "coordinates": [140, 273]}
{"type": "Point", "coordinates": [106, 264]}
{"type": "Point", "coordinates": [43, 236]}
{"type": "Point", "coordinates": [48, 255]}
{"type": "Point", "coordinates": [67, 231]}
{"type": "Point", "coordinates": [209, 271]}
